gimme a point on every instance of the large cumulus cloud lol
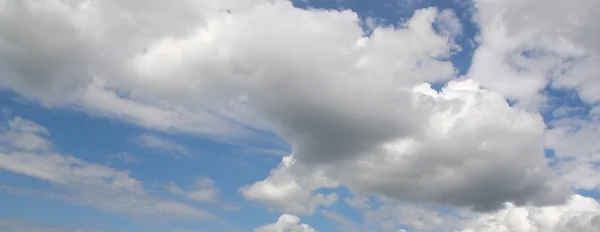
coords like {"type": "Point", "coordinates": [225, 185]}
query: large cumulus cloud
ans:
{"type": "Point", "coordinates": [352, 106]}
{"type": "Point", "coordinates": [474, 150]}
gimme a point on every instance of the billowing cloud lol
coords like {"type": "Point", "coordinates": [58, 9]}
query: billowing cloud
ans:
{"type": "Point", "coordinates": [474, 150]}
{"type": "Point", "coordinates": [528, 45]}
{"type": "Point", "coordinates": [580, 214]}
{"type": "Point", "coordinates": [356, 107]}
{"type": "Point", "coordinates": [287, 190]}
{"type": "Point", "coordinates": [286, 223]}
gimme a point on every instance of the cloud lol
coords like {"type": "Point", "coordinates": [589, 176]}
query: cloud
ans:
{"type": "Point", "coordinates": [449, 24]}
{"type": "Point", "coordinates": [125, 157]}
{"type": "Point", "coordinates": [391, 215]}
{"type": "Point", "coordinates": [343, 223]}
{"type": "Point", "coordinates": [17, 225]}
{"type": "Point", "coordinates": [357, 202]}
{"type": "Point", "coordinates": [84, 183]}
{"type": "Point", "coordinates": [286, 223]}
{"type": "Point", "coordinates": [474, 151]}
{"type": "Point", "coordinates": [97, 100]}
{"type": "Point", "coordinates": [578, 214]}
{"type": "Point", "coordinates": [353, 107]}
{"type": "Point", "coordinates": [204, 190]}
{"type": "Point", "coordinates": [576, 151]}
{"type": "Point", "coordinates": [528, 45]}
{"type": "Point", "coordinates": [84, 64]}
{"type": "Point", "coordinates": [25, 135]}
{"type": "Point", "coordinates": [161, 144]}
{"type": "Point", "coordinates": [291, 193]}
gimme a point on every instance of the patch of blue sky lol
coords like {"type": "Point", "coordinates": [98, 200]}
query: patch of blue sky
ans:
{"type": "Point", "coordinates": [564, 103]}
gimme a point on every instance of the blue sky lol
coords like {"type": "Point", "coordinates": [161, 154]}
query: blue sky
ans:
{"type": "Point", "coordinates": [316, 115]}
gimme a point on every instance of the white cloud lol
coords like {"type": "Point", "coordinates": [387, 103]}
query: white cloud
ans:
{"type": "Point", "coordinates": [204, 190]}
{"type": "Point", "coordinates": [346, 103]}
{"type": "Point", "coordinates": [580, 214]}
{"type": "Point", "coordinates": [286, 223]}
{"type": "Point", "coordinates": [449, 24]}
{"type": "Point", "coordinates": [162, 145]}
{"type": "Point", "coordinates": [85, 183]}
{"type": "Point", "coordinates": [357, 202]}
{"type": "Point", "coordinates": [26, 135]}
{"type": "Point", "coordinates": [124, 156]}
{"type": "Point", "coordinates": [126, 65]}
{"type": "Point", "coordinates": [472, 147]}
{"type": "Point", "coordinates": [343, 223]}
{"type": "Point", "coordinates": [528, 44]}
{"type": "Point", "coordinates": [100, 101]}
{"type": "Point", "coordinates": [285, 191]}
{"type": "Point", "coordinates": [577, 151]}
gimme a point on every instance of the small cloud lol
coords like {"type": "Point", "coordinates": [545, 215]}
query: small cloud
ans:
{"type": "Point", "coordinates": [174, 189]}
{"type": "Point", "coordinates": [449, 24]}
{"type": "Point", "coordinates": [124, 156]}
{"type": "Point", "coordinates": [165, 145]}
{"type": "Point", "coordinates": [203, 190]}
{"type": "Point", "coordinates": [357, 202]}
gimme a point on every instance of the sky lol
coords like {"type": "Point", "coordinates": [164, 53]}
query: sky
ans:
{"type": "Point", "coordinates": [299, 116]}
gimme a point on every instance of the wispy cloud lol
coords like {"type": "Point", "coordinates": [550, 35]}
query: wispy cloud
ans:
{"type": "Point", "coordinates": [124, 156]}
{"type": "Point", "coordinates": [84, 183]}
{"type": "Point", "coordinates": [161, 144]}
{"type": "Point", "coordinates": [203, 190]}
{"type": "Point", "coordinates": [343, 223]}
{"type": "Point", "coordinates": [18, 225]}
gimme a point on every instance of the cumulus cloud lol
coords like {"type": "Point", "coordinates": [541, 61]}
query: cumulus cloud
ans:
{"type": "Point", "coordinates": [183, 74]}
{"type": "Point", "coordinates": [286, 223]}
{"type": "Point", "coordinates": [580, 214]}
{"type": "Point", "coordinates": [353, 107]}
{"type": "Point", "coordinates": [292, 191]}
{"type": "Point", "coordinates": [392, 215]}
{"type": "Point", "coordinates": [528, 45]}
{"type": "Point", "coordinates": [475, 151]}
{"type": "Point", "coordinates": [85, 183]}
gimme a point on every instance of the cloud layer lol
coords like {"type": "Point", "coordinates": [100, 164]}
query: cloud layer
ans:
{"type": "Point", "coordinates": [359, 107]}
